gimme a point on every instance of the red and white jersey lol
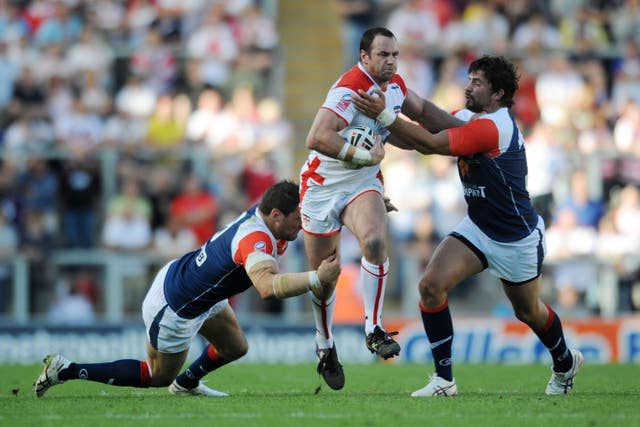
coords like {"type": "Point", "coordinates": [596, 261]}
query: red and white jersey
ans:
{"type": "Point", "coordinates": [324, 170]}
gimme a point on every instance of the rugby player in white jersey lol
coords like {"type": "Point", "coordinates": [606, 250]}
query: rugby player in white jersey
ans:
{"type": "Point", "coordinates": [502, 232]}
{"type": "Point", "coordinates": [342, 185]}
{"type": "Point", "coordinates": [189, 296]}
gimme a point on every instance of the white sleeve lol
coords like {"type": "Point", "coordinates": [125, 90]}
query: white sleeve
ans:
{"type": "Point", "coordinates": [464, 114]}
{"type": "Point", "coordinates": [339, 101]}
{"type": "Point", "coordinates": [257, 257]}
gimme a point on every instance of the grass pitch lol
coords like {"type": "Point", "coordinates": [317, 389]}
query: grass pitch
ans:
{"type": "Point", "coordinates": [374, 395]}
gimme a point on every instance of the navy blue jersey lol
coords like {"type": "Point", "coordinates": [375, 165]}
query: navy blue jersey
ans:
{"type": "Point", "coordinates": [492, 165]}
{"type": "Point", "coordinates": [204, 277]}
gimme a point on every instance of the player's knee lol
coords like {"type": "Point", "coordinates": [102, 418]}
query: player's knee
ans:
{"type": "Point", "coordinates": [241, 349]}
{"type": "Point", "coordinates": [426, 289]}
{"type": "Point", "coordinates": [525, 315]}
{"type": "Point", "coordinates": [373, 248]}
{"type": "Point", "coordinates": [431, 286]}
{"type": "Point", "coordinates": [237, 348]}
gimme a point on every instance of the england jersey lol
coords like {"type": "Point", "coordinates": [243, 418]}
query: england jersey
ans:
{"type": "Point", "coordinates": [493, 169]}
{"type": "Point", "coordinates": [200, 279]}
{"type": "Point", "coordinates": [325, 170]}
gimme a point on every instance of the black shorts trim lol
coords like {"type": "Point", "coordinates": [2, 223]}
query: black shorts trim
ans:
{"type": "Point", "coordinates": [467, 243]}
{"type": "Point", "coordinates": [508, 283]}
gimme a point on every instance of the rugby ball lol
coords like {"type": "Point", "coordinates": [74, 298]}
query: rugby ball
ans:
{"type": "Point", "coordinates": [359, 136]}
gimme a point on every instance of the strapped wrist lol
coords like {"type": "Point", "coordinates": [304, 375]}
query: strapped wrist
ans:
{"type": "Point", "coordinates": [361, 157]}
{"type": "Point", "coordinates": [386, 117]}
{"type": "Point", "coordinates": [314, 280]}
{"type": "Point", "coordinates": [355, 155]}
{"type": "Point", "coordinates": [344, 152]}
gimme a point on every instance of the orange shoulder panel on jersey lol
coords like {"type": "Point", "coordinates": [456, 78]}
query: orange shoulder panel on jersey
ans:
{"type": "Point", "coordinates": [400, 81]}
{"type": "Point", "coordinates": [477, 136]}
{"type": "Point", "coordinates": [252, 242]}
{"type": "Point", "coordinates": [354, 79]}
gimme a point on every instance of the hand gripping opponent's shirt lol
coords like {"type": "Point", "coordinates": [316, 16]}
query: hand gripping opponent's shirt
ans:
{"type": "Point", "coordinates": [216, 271]}
{"type": "Point", "coordinates": [329, 170]}
{"type": "Point", "coordinates": [492, 165]}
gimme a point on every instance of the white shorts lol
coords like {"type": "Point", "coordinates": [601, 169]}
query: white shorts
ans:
{"type": "Point", "coordinates": [516, 262]}
{"type": "Point", "coordinates": [322, 205]}
{"type": "Point", "coordinates": [167, 332]}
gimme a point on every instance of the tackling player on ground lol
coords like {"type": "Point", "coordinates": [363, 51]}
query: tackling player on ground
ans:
{"type": "Point", "coordinates": [189, 296]}
{"type": "Point", "coordinates": [502, 232]}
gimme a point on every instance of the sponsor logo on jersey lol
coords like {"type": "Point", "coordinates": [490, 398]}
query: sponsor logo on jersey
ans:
{"type": "Point", "coordinates": [260, 246]}
{"type": "Point", "coordinates": [344, 103]}
{"type": "Point", "coordinates": [477, 191]}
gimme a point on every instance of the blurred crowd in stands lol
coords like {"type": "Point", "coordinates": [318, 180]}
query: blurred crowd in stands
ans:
{"type": "Point", "coordinates": [144, 125]}
{"type": "Point", "coordinates": [106, 110]}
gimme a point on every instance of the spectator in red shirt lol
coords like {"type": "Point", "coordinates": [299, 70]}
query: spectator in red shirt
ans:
{"type": "Point", "coordinates": [196, 208]}
{"type": "Point", "coordinates": [259, 174]}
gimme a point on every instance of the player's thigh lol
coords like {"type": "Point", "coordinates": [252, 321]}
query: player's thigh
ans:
{"type": "Point", "coordinates": [451, 263]}
{"type": "Point", "coordinates": [320, 247]}
{"type": "Point", "coordinates": [224, 331]}
{"type": "Point", "coordinates": [164, 366]}
{"type": "Point", "coordinates": [366, 215]}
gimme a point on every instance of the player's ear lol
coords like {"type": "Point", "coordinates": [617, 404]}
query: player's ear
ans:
{"type": "Point", "coordinates": [276, 214]}
{"type": "Point", "coordinates": [498, 95]}
{"type": "Point", "coordinates": [363, 53]}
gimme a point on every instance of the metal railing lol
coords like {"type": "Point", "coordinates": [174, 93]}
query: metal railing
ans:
{"type": "Point", "coordinates": [603, 292]}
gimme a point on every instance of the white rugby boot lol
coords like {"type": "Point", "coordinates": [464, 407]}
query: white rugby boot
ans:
{"type": "Point", "coordinates": [201, 390]}
{"type": "Point", "coordinates": [562, 382]}
{"type": "Point", "coordinates": [53, 364]}
{"type": "Point", "coordinates": [436, 387]}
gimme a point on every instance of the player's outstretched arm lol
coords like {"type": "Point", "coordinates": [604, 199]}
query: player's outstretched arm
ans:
{"type": "Point", "coordinates": [427, 114]}
{"type": "Point", "coordinates": [411, 134]}
{"type": "Point", "coordinates": [264, 273]}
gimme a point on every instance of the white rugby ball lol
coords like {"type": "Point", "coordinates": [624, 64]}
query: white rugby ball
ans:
{"type": "Point", "coordinates": [359, 136]}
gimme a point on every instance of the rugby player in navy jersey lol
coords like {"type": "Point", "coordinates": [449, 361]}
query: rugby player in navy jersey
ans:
{"type": "Point", "coordinates": [189, 296]}
{"type": "Point", "coordinates": [502, 232]}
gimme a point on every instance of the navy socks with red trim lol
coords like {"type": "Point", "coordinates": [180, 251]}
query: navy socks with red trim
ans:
{"type": "Point", "coordinates": [552, 337]}
{"type": "Point", "coordinates": [439, 329]}
{"type": "Point", "coordinates": [125, 372]}
{"type": "Point", "coordinates": [208, 361]}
